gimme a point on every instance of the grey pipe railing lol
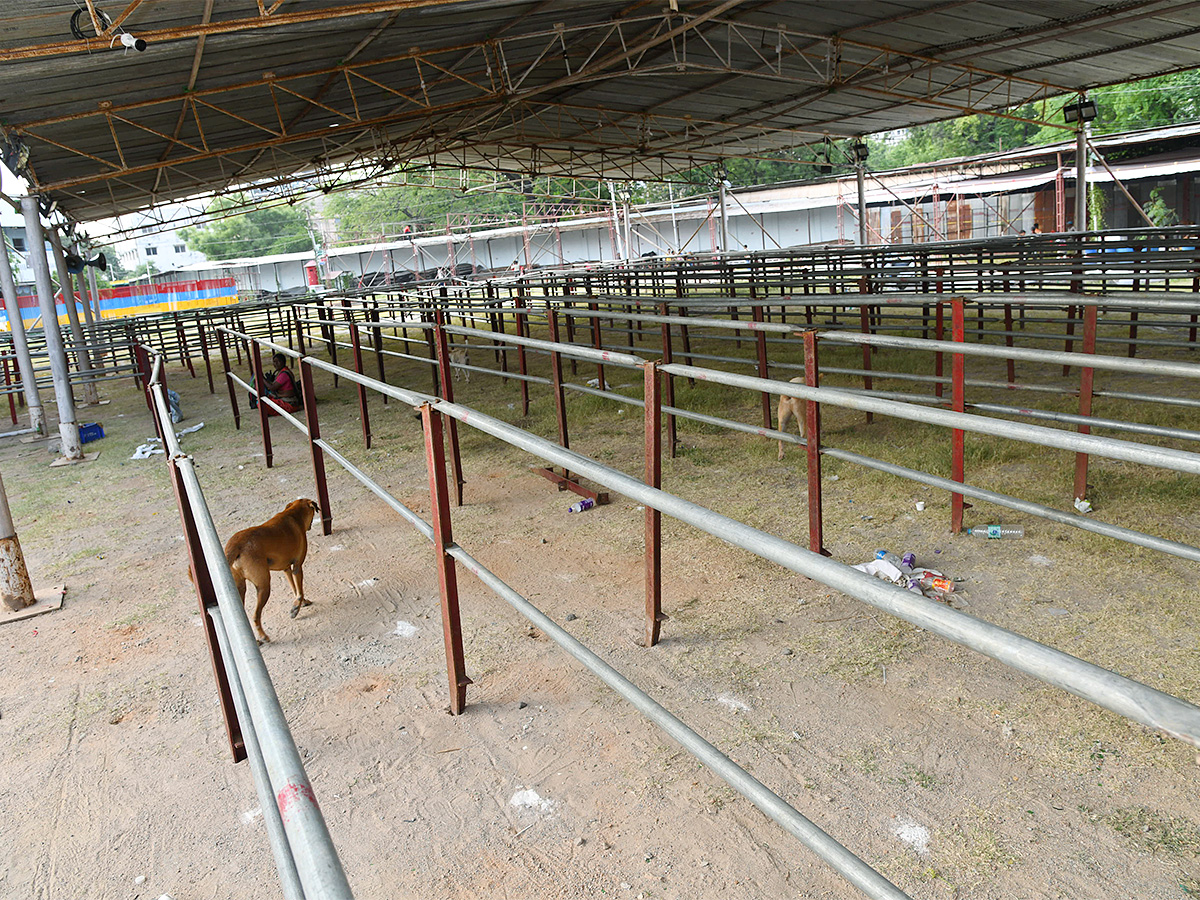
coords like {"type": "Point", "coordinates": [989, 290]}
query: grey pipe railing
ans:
{"type": "Point", "coordinates": [311, 847]}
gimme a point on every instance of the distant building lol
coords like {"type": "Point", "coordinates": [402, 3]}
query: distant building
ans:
{"type": "Point", "coordinates": [163, 251]}
{"type": "Point", "coordinates": [13, 225]}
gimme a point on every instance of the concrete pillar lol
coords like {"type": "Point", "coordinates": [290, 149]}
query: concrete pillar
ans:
{"type": "Point", "coordinates": [1081, 186]}
{"type": "Point", "coordinates": [95, 293]}
{"type": "Point", "coordinates": [83, 356]}
{"type": "Point", "coordinates": [16, 591]}
{"type": "Point", "coordinates": [33, 400]}
{"type": "Point", "coordinates": [89, 319]}
{"type": "Point", "coordinates": [68, 426]}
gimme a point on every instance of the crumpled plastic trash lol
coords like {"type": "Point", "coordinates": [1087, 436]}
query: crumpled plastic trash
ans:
{"type": "Point", "coordinates": [1082, 505]}
{"type": "Point", "coordinates": [148, 449]}
{"type": "Point", "coordinates": [595, 382]}
{"type": "Point", "coordinates": [191, 430]}
{"type": "Point", "coordinates": [173, 406]}
{"type": "Point", "coordinates": [881, 568]}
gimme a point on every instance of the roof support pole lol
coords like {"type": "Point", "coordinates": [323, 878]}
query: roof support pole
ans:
{"type": "Point", "coordinates": [68, 427]}
{"type": "Point", "coordinates": [724, 216]}
{"type": "Point", "coordinates": [86, 301]}
{"type": "Point", "coordinates": [33, 400]}
{"type": "Point", "coordinates": [83, 357]}
{"type": "Point", "coordinates": [860, 174]}
{"type": "Point", "coordinates": [1081, 185]}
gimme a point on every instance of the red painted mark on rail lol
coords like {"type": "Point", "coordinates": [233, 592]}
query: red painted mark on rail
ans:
{"type": "Point", "coordinates": [291, 794]}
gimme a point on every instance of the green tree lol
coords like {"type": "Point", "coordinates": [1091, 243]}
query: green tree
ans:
{"type": "Point", "coordinates": [258, 232]}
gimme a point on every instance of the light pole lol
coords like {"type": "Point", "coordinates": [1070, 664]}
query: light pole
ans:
{"type": "Point", "coordinates": [1081, 113]}
{"type": "Point", "coordinates": [861, 152]}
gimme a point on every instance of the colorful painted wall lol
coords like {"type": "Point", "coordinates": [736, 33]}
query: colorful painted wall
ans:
{"type": "Point", "coordinates": [136, 299]}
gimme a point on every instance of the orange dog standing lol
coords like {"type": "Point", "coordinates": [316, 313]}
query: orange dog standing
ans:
{"type": "Point", "coordinates": [279, 544]}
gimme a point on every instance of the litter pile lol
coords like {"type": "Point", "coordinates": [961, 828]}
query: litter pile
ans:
{"type": "Point", "coordinates": [154, 445]}
{"type": "Point", "coordinates": [904, 571]}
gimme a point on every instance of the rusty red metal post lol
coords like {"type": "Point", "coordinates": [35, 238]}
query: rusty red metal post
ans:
{"type": "Point", "coordinates": [596, 343]}
{"type": "Point", "coordinates": [760, 340]}
{"type": "Point", "coordinates": [812, 447]}
{"type": "Point", "coordinates": [1086, 379]}
{"type": "Point", "coordinates": [668, 386]}
{"type": "Point", "coordinates": [377, 343]}
{"type": "Point", "coordinates": [1008, 342]}
{"type": "Point", "coordinates": [299, 330]}
{"type": "Point", "coordinates": [207, 596]}
{"type": "Point", "coordinates": [958, 329]}
{"type": "Point", "coordinates": [12, 403]}
{"type": "Point", "coordinates": [233, 403]}
{"type": "Point", "coordinates": [522, 331]}
{"type": "Point", "coordinates": [204, 352]}
{"type": "Point", "coordinates": [184, 356]}
{"type": "Point", "coordinates": [864, 316]}
{"type": "Point", "coordinates": [556, 377]}
{"type": "Point", "coordinates": [653, 409]}
{"type": "Point", "coordinates": [1069, 344]}
{"type": "Point", "coordinates": [308, 392]}
{"type": "Point", "coordinates": [439, 496]}
{"type": "Point", "coordinates": [363, 410]}
{"type": "Point", "coordinates": [260, 387]}
{"type": "Point", "coordinates": [443, 356]}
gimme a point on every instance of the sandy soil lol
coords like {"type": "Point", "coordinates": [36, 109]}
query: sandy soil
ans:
{"type": "Point", "coordinates": [951, 774]}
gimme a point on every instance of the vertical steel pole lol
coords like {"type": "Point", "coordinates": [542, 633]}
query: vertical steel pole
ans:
{"type": "Point", "coordinates": [207, 596]}
{"type": "Point", "coordinates": [363, 410]}
{"type": "Point", "coordinates": [33, 400]}
{"type": "Point", "coordinates": [812, 447]}
{"type": "Point", "coordinates": [377, 343]}
{"type": "Point", "coordinates": [66, 284]}
{"type": "Point", "coordinates": [1081, 185]}
{"type": "Point", "coordinates": [522, 331]}
{"type": "Point", "coordinates": [308, 392]}
{"type": "Point", "coordinates": [864, 316]}
{"type": "Point", "coordinates": [8, 392]}
{"type": "Point", "coordinates": [760, 338]}
{"type": "Point", "coordinates": [1069, 344]}
{"type": "Point", "coordinates": [443, 355]}
{"type": "Point", "coordinates": [260, 387]}
{"type": "Point", "coordinates": [668, 386]}
{"type": "Point", "coordinates": [233, 403]}
{"type": "Point", "coordinates": [860, 177]}
{"type": "Point", "coordinates": [35, 240]}
{"type": "Point", "coordinates": [958, 405]}
{"type": "Point", "coordinates": [596, 344]}
{"type": "Point", "coordinates": [653, 409]}
{"type": "Point", "coordinates": [204, 352]}
{"type": "Point", "coordinates": [435, 457]}
{"type": "Point", "coordinates": [556, 376]}
{"type": "Point", "coordinates": [1008, 342]}
{"type": "Point", "coordinates": [1085, 398]}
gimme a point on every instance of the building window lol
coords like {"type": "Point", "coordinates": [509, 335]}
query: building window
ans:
{"type": "Point", "coordinates": [180, 248]}
{"type": "Point", "coordinates": [18, 244]}
{"type": "Point", "coordinates": [152, 251]}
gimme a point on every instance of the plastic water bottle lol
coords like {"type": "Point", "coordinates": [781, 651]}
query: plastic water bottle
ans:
{"type": "Point", "coordinates": [932, 582]}
{"type": "Point", "coordinates": [904, 564]}
{"type": "Point", "coordinates": [997, 531]}
{"type": "Point", "coordinates": [585, 503]}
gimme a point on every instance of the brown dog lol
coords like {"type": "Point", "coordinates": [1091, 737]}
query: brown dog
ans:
{"type": "Point", "coordinates": [278, 544]}
{"type": "Point", "coordinates": [790, 408]}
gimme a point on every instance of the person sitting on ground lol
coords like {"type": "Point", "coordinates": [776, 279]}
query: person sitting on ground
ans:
{"type": "Point", "coordinates": [281, 386]}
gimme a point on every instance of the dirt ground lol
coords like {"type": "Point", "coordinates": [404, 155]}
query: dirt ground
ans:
{"type": "Point", "coordinates": [954, 776]}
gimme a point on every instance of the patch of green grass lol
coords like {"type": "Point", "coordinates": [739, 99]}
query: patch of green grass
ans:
{"type": "Point", "coordinates": [143, 613]}
{"type": "Point", "coordinates": [1154, 832]}
{"type": "Point", "coordinates": [910, 774]}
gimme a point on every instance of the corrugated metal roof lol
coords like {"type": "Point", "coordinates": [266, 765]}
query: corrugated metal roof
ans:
{"type": "Point", "coordinates": [224, 94]}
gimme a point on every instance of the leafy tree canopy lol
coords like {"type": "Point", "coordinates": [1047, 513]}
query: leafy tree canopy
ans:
{"type": "Point", "coordinates": [258, 232]}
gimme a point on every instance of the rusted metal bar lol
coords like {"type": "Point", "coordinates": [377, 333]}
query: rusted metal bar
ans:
{"type": "Point", "coordinates": [556, 378]}
{"type": "Point", "coordinates": [377, 343]}
{"type": "Point", "coordinates": [439, 496]}
{"type": "Point", "coordinates": [363, 410]}
{"type": "Point", "coordinates": [12, 403]}
{"type": "Point", "coordinates": [1069, 345]}
{"type": "Point", "coordinates": [185, 356]}
{"type": "Point", "coordinates": [443, 357]}
{"type": "Point", "coordinates": [1086, 379]}
{"type": "Point", "coordinates": [653, 411]}
{"type": "Point", "coordinates": [864, 316]}
{"type": "Point", "coordinates": [1133, 331]}
{"type": "Point", "coordinates": [1008, 342]}
{"type": "Point", "coordinates": [668, 386]}
{"type": "Point", "coordinates": [260, 388]}
{"type": "Point", "coordinates": [568, 304]}
{"type": "Point", "coordinates": [958, 329]}
{"type": "Point", "coordinates": [309, 393]}
{"type": "Point", "coordinates": [207, 596]}
{"type": "Point", "coordinates": [204, 352]}
{"type": "Point", "coordinates": [812, 447]}
{"type": "Point", "coordinates": [597, 345]}
{"type": "Point", "coordinates": [522, 331]}
{"type": "Point", "coordinates": [296, 323]}
{"type": "Point", "coordinates": [233, 404]}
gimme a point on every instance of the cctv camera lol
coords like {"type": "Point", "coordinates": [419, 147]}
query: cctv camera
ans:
{"type": "Point", "coordinates": [128, 40]}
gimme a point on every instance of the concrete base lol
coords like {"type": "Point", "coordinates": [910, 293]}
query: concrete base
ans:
{"type": "Point", "coordinates": [45, 600]}
{"type": "Point", "coordinates": [64, 461]}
